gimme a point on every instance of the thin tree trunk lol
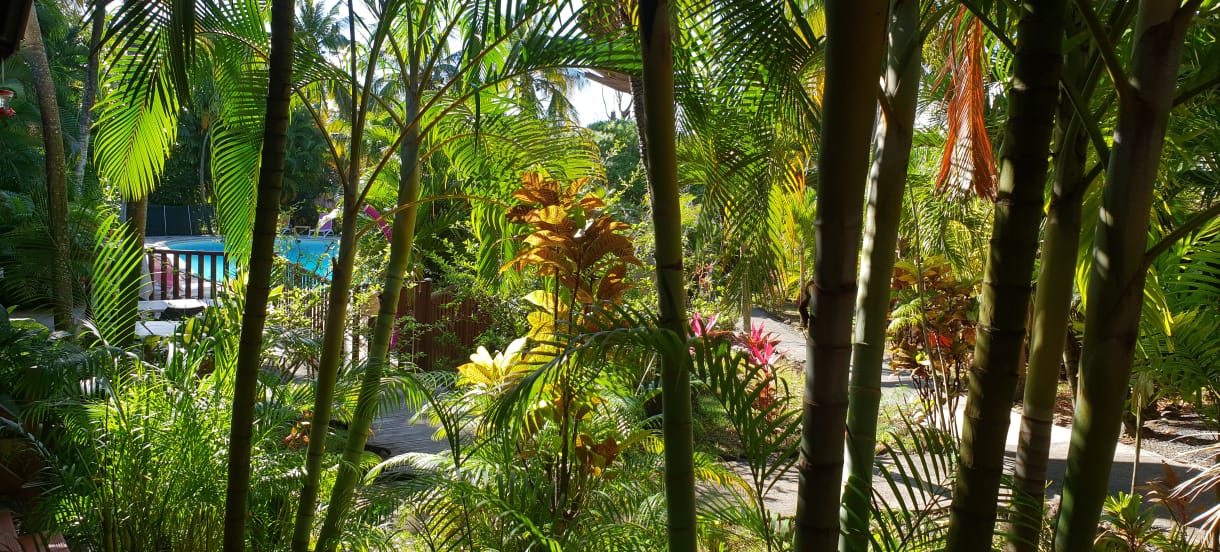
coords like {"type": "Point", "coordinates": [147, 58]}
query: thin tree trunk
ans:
{"type": "Point", "coordinates": [262, 259]}
{"type": "Point", "coordinates": [137, 223]}
{"type": "Point", "coordinates": [887, 182]}
{"type": "Point", "coordinates": [855, 48]}
{"type": "Point", "coordinates": [1052, 310]}
{"type": "Point", "coordinates": [656, 47]}
{"type": "Point", "coordinates": [334, 332]}
{"type": "Point", "coordinates": [747, 305]}
{"type": "Point", "coordinates": [1004, 308]}
{"type": "Point", "coordinates": [1116, 281]}
{"type": "Point", "coordinates": [402, 236]}
{"type": "Point", "coordinates": [1071, 363]}
{"type": "Point", "coordinates": [137, 216]}
{"type": "Point", "coordinates": [57, 186]}
{"type": "Point", "coordinates": [637, 108]}
{"type": "Point", "coordinates": [89, 94]}
{"type": "Point", "coordinates": [335, 328]}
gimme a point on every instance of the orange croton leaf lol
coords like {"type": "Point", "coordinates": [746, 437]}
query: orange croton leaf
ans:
{"type": "Point", "coordinates": [591, 202]}
{"type": "Point", "coordinates": [569, 196]}
{"type": "Point", "coordinates": [517, 213]}
{"type": "Point", "coordinates": [550, 215]}
{"type": "Point", "coordinates": [614, 284]}
{"type": "Point", "coordinates": [537, 190]}
{"type": "Point", "coordinates": [601, 244]}
{"type": "Point", "coordinates": [551, 238]}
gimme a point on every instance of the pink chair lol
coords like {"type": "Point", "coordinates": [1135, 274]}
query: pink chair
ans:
{"type": "Point", "coordinates": [326, 229]}
{"type": "Point", "coordinates": [164, 276]}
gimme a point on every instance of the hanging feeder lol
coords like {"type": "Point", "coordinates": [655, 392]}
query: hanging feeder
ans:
{"type": "Point", "coordinates": [6, 100]}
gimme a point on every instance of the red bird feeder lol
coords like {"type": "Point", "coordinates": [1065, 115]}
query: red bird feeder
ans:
{"type": "Point", "coordinates": [6, 100]}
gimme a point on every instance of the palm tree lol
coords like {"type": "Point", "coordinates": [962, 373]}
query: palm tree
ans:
{"type": "Point", "coordinates": [656, 49]}
{"type": "Point", "coordinates": [1116, 279]}
{"type": "Point", "coordinates": [1053, 296]}
{"type": "Point", "coordinates": [97, 22]}
{"type": "Point", "coordinates": [401, 240]}
{"type": "Point", "coordinates": [1006, 285]}
{"type": "Point", "coordinates": [56, 173]}
{"type": "Point", "coordinates": [855, 47]}
{"type": "Point", "coordinates": [262, 259]}
{"type": "Point", "coordinates": [887, 183]}
{"type": "Point", "coordinates": [539, 34]}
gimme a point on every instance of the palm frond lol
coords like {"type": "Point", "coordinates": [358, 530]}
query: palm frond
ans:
{"type": "Point", "coordinates": [115, 281]}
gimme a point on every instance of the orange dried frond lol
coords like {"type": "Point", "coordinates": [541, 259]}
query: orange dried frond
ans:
{"type": "Point", "coordinates": [968, 162]}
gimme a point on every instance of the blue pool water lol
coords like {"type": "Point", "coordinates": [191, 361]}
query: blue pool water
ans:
{"type": "Point", "coordinates": [313, 254]}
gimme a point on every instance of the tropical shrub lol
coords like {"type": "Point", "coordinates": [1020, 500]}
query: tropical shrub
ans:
{"type": "Point", "coordinates": [548, 446]}
{"type": "Point", "coordinates": [932, 328]}
{"type": "Point", "coordinates": [142, 464]}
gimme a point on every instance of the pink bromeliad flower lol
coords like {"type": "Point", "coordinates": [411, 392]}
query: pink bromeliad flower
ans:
{"type": "Point", "coordinates": [700, 327]}
{"type": "Point", "coordinates": [761, 347]}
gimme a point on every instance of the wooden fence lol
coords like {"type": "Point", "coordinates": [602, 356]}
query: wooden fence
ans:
{"type": "Point", "coordinates": [446, 326]}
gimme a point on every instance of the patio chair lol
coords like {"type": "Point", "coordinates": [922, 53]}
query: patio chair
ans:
{"type": "Point", "coordinates": [326, 229]}
{"type": "Point", "coordinates": [166, 278]}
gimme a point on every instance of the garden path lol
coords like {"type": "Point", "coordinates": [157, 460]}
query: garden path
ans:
{"type": "Point", "coordinates": [895, 389]}
{"type": "Point", "coordinates": [395, 432]}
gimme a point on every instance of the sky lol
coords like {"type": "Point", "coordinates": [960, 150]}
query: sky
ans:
{"type": "Point", "coordinates": [594, 102]}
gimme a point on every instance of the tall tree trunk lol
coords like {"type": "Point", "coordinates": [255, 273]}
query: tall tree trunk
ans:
{"type": "Point", "coordinates": [1071, 363]}
{"type": "Point", "coordinates": [1004, 307]}
{"type": "Point", "coordinates": [402, 236]}
{"type": "Point", "coordinates": [89, 94]}
{"type": "Point", "coordinates": [656, 47]}
{"type": "Point", "coordinates": [637, 109]}
{"type": "Point", "coordinates": [57, 186]}
{"type": "Point", "coordinates": [855, 48]}
{"type": "Point", "coordinates": [334, 331]}
{"type": "Point", "coordinates": [1052, 311]}
{"type": "Point", "coordinates": [895, 130]}
{"type": "Point", "coordinates": [262, 259]}
{"type": "Point", "coordinates": [747, 303]}
{"type": "Point", "coordinates": [1116, 281]}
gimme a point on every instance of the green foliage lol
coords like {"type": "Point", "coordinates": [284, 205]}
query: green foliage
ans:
{"type": "Point", "coordinates": [626, 185]}
{"type": "Point", "coordinates": [1127, 526]}
{"type": "Point", "coordinates": [1187, 363]}
{"type": "Point", "coordinates": [932, 328]}
{"type": "Point", "coordinates": [25, 248]}
{"type": "Point", "coordinates": [911, 511]}
{"type": "Point", "coordinates": [766, 430]}
{"type": "Point", "coordinates": [138, 464]}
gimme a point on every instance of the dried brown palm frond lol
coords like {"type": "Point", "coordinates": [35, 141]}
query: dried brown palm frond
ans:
{"type": "Point", "coordinates": [968, 163]}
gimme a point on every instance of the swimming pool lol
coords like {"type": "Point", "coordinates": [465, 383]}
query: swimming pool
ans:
{"type": "Point", "coordinates": [313, 254]}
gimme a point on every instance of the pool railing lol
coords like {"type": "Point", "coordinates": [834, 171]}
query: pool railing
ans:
{"type": "Point", "coordinates": [178, 274]}
{"type": "Point", "coordinates": [186, 274]}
